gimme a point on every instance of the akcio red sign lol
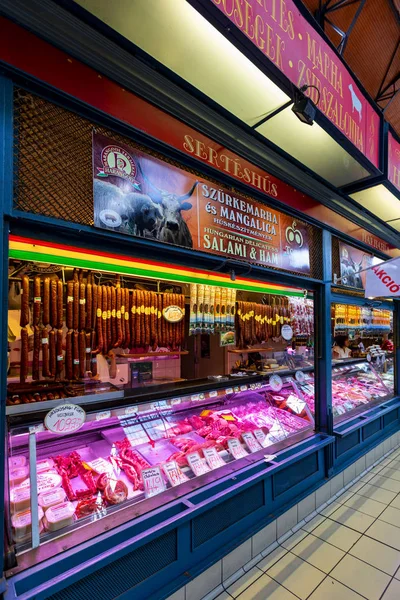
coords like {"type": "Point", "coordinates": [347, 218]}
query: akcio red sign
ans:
{"type": "Point", "coordinates": [286, 38]}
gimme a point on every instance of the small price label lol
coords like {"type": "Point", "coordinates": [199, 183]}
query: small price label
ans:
{"type": "Point", "coordinates": [174, 473]}
{"type": "Point", "coordinates": [153, 481]}
{"type": "Point", "coordinates": [229, 391]}
{"type": "Point", "coordinates": [197, 464]}
{"type": "Point", "coordinates": [300, 376]}
{"type": "Point", "coordinates": [213, 394]}
{"type": "Point", "coordinates": [236, 449]}
{"type": "Point", "coordinates": [251, 441]}
{"type": "Point", "coordinates": [65, 418]}
{"type": "Point", "coordinates": [295, 404]}
{"type": "Point", "coordinates": [243, 388]}
{"type": "Point", "coordinates": [287, 332]}
{"type": "Point", "coordinates": [213, 458]}
{"type": "Point", "coordinates": [195, 397]}
{"type": "Point", "coordinates": [106, 414]}
{"type": "Point", "coordinates": [260, 436]}
{"type": "Point", "coordinates": [276, 383]}
{"type": "Point", "coordinates": [175, 401]}
{"type": "Point", "coordinates": [131, 410]}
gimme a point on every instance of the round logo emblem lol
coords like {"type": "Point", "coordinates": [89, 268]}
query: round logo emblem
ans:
{"type": "Point", "coordinates": [116, 161]}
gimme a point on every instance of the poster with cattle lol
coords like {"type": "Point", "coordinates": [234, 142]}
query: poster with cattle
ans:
{"type": "Point", "coordinates": [140, 195]}
{"type": "Point", "coordinates": [353, 263]}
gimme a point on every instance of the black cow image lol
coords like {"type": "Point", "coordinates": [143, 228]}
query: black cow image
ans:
{"type": "Point", "coordinates": [130, 212]}
{"type": "Point", "coordinates": [173, 227]}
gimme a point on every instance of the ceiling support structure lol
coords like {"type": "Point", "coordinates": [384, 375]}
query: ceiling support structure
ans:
{"type": "Point", "coordinates": [389, 89]}
{"type": "Point", "coordinates": [330, 6]}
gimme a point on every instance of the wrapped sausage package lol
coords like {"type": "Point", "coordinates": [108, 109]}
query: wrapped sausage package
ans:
{"type": "Point", "coordinates": [59, 516]}
{"type": "Point", "coordinates": [22, 524]}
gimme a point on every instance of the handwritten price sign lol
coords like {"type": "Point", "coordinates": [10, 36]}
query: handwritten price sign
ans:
{"type": "Point", "coordinates": [213, 458]}
{"type": "Point", "coordinates": [153, 481]}
{"type": "Point", "coordinates": [260, 436]}
{"type": "Point", "coordinates": [197, 464]}
{"type": "Point", "coordinates": [236, 449]}
{"type": "Point", "coordinates": [65, 418]}
{"type": "Point", "coordinates": [251, 442]}
{"type": "Point", "coordinates": [174, 473]}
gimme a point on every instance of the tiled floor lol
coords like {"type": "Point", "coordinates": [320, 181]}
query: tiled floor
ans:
{"type": "Point", "coordinates": [349, 551]}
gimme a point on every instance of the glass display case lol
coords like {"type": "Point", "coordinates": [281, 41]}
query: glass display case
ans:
{"type": "Point", "coordinates": [139, 454]}
{"type": "Point", "coordinates": [356, 386]}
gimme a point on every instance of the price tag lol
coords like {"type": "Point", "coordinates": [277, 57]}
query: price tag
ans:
{"type": "Point", "coordinates": [295, 404]}
{"type": "Point", "coordinates": [106, 414]}
{"type": "Point", "coordinates": [276, 383]}
{"type": "Point", "coordinates": [213, 458]}
{"type": "Point", "coordinates": [65, 418]}
{"type": "Point", "coordinates": [153, 481]}
{"type": "Point", "coordinates": [300, 376]}
{"type": "Point", "coordinates": [340, 409]}
{"type": "Point", "coordinates": [100, 465]}
{"type": "Point", "coordinates": [369, 357]}
{"type": "Point", "coordinates": [251, 441]}
{"type": "Point", "coordinates": [236, 449]}
{"type": "Point", "coordinates": [213, 394]}
{"type": "Point", "coordinates": [229, 391]}
{"type": "Point", "coordinates": [131, 410]}
{"type": "Point", "coordinates": [174, 473]}
{"type": "Point", "coordinates": [287, 332]}
{"type": "Point", "coordinates": [195, 397]}
{"type": "Point", "coordinates": [174, 401]}
{"type": "Point", "coordinates": [243, 388]}
{"type": "Point", "coordinates": [277, 432]}
{"type": "Point", "coordinates": [260, 436]}
{"type": "Point", "coordinates": [197, 464]}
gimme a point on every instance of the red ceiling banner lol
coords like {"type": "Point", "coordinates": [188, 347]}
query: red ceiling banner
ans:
{"type": "Point", "coordinates": [286, 38]}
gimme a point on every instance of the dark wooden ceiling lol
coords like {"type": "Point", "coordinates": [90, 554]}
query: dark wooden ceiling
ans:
{"type": "Point", "coordinates": [372, 49]}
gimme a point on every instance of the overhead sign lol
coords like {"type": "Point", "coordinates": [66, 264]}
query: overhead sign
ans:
{"type": "Point", "coordinates": [353, 263]}
{"type": "Point", "coordinates": [287, 39]}
{"type": "Point", "coordinates": [383, 280]}
{"type": "Point", "coordinates": [393, 161]}
{"type": "Point", "coordinates": [137, 194]}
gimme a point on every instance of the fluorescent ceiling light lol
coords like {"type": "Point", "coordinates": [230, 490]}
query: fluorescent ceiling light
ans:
{"type": "Point", "coordinates": [176, 35]}
{"type": "Point", "coordinates": [380, 201]}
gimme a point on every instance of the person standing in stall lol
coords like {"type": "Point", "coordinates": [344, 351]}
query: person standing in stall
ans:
{"type": "Point", "coordinates": [341, 348]}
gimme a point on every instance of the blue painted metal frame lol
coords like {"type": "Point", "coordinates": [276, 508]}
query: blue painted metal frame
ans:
{"type": "Point", "coordinates": [6, 195]}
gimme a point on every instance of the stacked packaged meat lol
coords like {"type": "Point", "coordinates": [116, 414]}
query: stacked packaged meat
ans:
{"type": "Point", "coordinates": [147, 452]}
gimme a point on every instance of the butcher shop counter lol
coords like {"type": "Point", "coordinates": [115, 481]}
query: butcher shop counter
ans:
{"type": "Point", "coordinates": [140, 454]}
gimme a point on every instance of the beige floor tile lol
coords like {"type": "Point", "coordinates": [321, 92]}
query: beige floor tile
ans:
{"type": "Point", "coordinates": [352, 518]}
{"type": "Point", "coordinates": [271, 558]}
{"type": "Point", "coordinates": [360, 577]}
{"type": "Point", "coordinates": [356, 486]}
{"type": "Point", "coordinates": [393, 591]}
{"type": "Point", "coordinates": [391, 515]}
{"type": "Point", "coordinates": [376, 554]}
{"type": "Point", "coordinates": [344, 497]}
{"type": "Point", "coordinates": [365, 505]}
{"type": "Point", "coordinates": [266, 588]}
{"type": "Point", "coordinates": [336, 534]}
{"type": "Point", "coordinates": [396, 502]}
{"type": "Point", "coordinates": [297, 576]}
{"type": "Point", "coordinates": [376, 493]}
{"type": "Point", "coordinates": [392, 473]}
{"type": "Point", "coordinates": [294, 539]}
{"type": "Point", "coordinates": [244, 582]}
{"type": "Point", "coordinates": [385, 533]}
{"type": "Point", "coordinates": [330, 589]}
{"type": "Point", "coordinates": [320, 554]}
{"type": "Point", "coordinates": [314, 523]}
{"type": "Point", "coordinates": [328, 510]}
{"type": "Point", "coordinates": [368, 476]}
{"type": "Point", "coordinates": [386, 483]}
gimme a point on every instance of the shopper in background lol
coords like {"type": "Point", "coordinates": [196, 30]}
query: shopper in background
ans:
{"type": "Point", "coordinates": [387, 343]}
{"type": "Point", "coordinates": [341, 348]}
